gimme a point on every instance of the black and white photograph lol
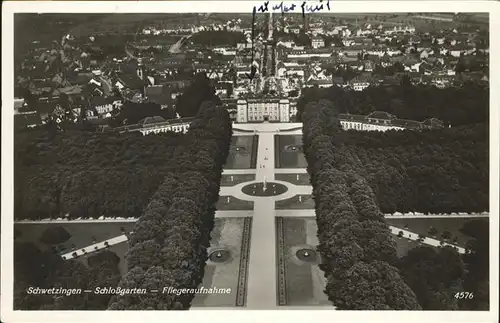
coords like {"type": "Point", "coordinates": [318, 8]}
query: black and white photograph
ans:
{"type": "Point", "coordinates": [308, 157]}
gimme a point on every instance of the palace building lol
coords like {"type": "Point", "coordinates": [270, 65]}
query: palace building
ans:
{"type": "Point", "coordinates": [263, 109]}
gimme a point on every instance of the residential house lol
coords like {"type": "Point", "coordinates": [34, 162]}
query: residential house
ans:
{"type": "Point", "coordinates": [105, 105]}
{"type": "Point", "coordinates": [317, 42]}
{"type": "Point", "coordinates": [359, 83]}
{"type": "Point", "coordinates": [221, 90]}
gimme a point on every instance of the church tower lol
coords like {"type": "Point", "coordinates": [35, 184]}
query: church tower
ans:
{"type": "Point", "coordinates": [141, 73]}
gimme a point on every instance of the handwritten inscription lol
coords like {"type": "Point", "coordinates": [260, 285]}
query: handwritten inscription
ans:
{"type": "Point", "coordinates": [304, 7]}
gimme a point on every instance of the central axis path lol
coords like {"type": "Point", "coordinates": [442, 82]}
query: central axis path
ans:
{"type": "Point", "coordinates": [261, 286]}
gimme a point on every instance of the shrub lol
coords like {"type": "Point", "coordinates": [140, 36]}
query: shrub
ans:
{"type": "Point", "coordinates": [55, 235]}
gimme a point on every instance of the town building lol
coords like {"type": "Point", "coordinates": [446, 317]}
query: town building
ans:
{"type": "Point", "coordinates": [105, 105]}
{"type": "Point", "coordinates": [18, 104]}
{"type": "Point", "coordinates": [360, 83]}
{"type": "Point", "coordinates": [317, 42]}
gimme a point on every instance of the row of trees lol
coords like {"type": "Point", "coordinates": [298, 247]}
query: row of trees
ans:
{"type": "Point", "coordinates": [212, 38]}
{"type": "Point", "coordinates": [356, 246]}
{"type": "Point", "coordinates": [168, 246]}
{"type": "Point", "coordinates": [459, 106]}
{"type": "Point", "coordinates": [432, 171]}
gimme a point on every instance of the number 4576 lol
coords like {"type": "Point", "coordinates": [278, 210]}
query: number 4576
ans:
{"type": "Point", "coordinates": [464, 295]}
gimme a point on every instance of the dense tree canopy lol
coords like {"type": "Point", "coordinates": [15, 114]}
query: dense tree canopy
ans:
{"type": "Point", "coordinates": [46, 269]}
{"type": "Point", "coordinates": [357, 250]}
{"type": "Point", "coordinates": [459, 106]}
{"type": "Point", "coordinates": [214, 38]}
{"type": "Point", "coordinates": [432, 171]}
{"type": "Point", "coordinates": [33, 267]}
{"type": "Point", "coordinates": [477, 261]}
{"type": "Point", "coordinates": [435, 275]}
{"type": "Point", "coordinates": [84, 174]}
{"type": "Point", "coordinates": [201, 90]}
{"type": "Point", "coordinates": [55, 235]}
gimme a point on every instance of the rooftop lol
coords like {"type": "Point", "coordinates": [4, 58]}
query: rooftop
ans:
{"type": "Point", "coordinates": [393, 120]}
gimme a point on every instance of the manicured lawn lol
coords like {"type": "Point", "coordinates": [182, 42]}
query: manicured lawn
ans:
{"type": "Point", "coordinates": [231, 180]}
{"type": "Point", "coordinates": [298, 202]}
{"type": "Point", "coordinates": [422, 226]}
{"type": "Point", "coordinates": [242, 153]}
{"type": "Point", "coordinates": [404, 245]}
{"type": "Point", "coordinates": [304, 281]}
{"type": "Point", "coordinates": [227, 234]}
{"type": "Point", "coordinates": [285, 156]}
{"type": "Point", "coordinates": [297, 179]}
{"type": "Point", "coordinates": [233, 203]}
{"type": "Point", "coordinates": [119, 249]}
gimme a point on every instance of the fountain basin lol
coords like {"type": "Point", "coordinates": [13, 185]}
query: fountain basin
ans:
{"type": "Point", "coordinates": [264, 189]}
{"type": "Point", "coordinates": [307, 255]}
